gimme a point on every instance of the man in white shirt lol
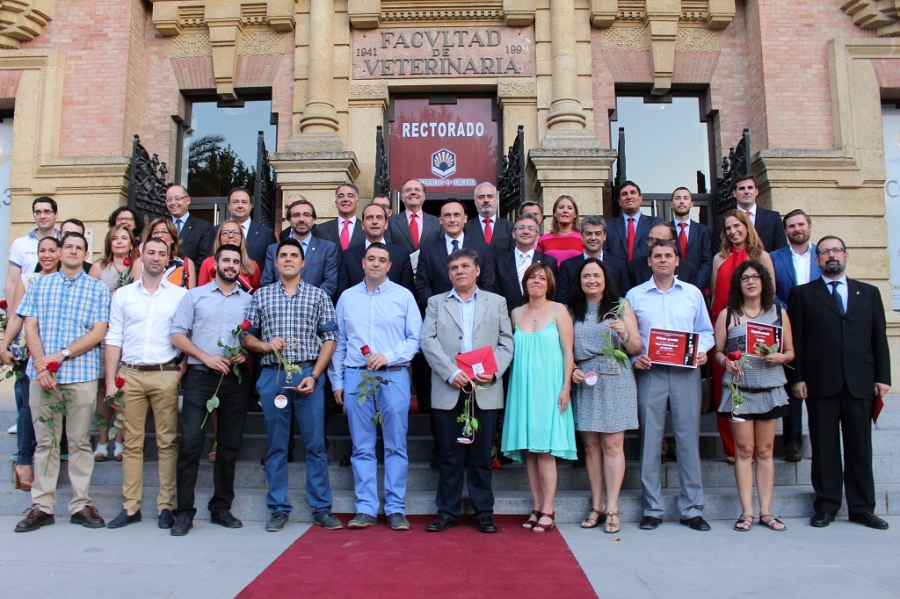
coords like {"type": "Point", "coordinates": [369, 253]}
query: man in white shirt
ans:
{"type": "Point", "coordinates": [23, 251]}
{"type": "Point", "coordinates": [511, 266]}
{"type": "Point", "coordinates": [139, 349]}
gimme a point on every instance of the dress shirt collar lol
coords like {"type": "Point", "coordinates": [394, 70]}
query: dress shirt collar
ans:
{"type": "Point", "coordinates": [303, 240]}
{"type": "Point", "coordinates": [751, 210]}
{"type": "Point", "coordinates": [529, 254]}
{"type": "Point", "coordinates": [493, 220]}
{"type": "Point", "coordinates": [651, 284]}
{"type": "Point", "coordinates": [804, 254]}
{"type": "Point", "coordinates": [636, 216]}
{"type": "Point", "coordinates": [686, 223]}
{"type": "Point", "coordinates": [164, 285]}
{"type": "Point", "coordinates": [183, 218]}
{"type": "Point", "coordinates": [449, 240]}
{"type": "Point", "coordinates": [599, 256]}
{"type": "Point", "coordinates": [33, 234]}
{"type": "Point", "coordinates": [409, 214]}
{"type": "Point", "coordinates": [63, 276]}
{"type": "Point", "coordinates": [368, 243]}
{"type": "Point", "coordinates": [341, 220]}
{"type": "Point", "coordinates": [378, 290]}
{"type": "Point", "coordinates": [215, 285]}
{"type": "Point", "coordinates": [456, 295]}
{"type": "Point", "coordinates": [246, 227]}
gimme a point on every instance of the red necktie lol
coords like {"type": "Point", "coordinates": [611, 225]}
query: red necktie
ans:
{"type": "Point", "coordinates": [414, 230]}
{"type": "Point", "coordinates": [630, 238]}
{"type": "Point", "coordinates": [345, 235]}
{"type": "Point", "coordinates": [488, 232]}
{"type": "Point", "coordinates": [749, 215]}
{"type": "Point", "coordinates": [682, 240]}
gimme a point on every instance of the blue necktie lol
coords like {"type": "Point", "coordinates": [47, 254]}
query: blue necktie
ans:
{"type": "Point", "coordinates": [837, 297]}
{"type": "Point", "coordinates": [178, 224]}
{"type": "Point", "coordinates": [455, 244]}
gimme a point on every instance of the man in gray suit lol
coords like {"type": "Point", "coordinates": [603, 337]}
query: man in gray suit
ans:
{"type": "Point", "coordinates": [462, 320]}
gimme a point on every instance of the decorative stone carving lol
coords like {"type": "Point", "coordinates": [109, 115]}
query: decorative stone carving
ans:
{"type": "Point", "coordinates": [23, 20]}
{"type": "Point", "coordinates": [625, 39]}
{"type": "Point", "coordinates": [693, 39]}
{"type": "Point", "coordinates": [190, 45]}
{"type": "Point", "coordinates": [882, 17]}
{"type": "Point", "coordinates": [261, 43]}
{"type": "Point", "coordinates": [374, 91]}
{"type": "Point", "coordinates": [517, 89]}
{"type": "Point", "coordinates": [371, 14]}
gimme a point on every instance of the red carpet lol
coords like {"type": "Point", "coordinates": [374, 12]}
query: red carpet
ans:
{"type": "Point", "coordinates": [462, 562]}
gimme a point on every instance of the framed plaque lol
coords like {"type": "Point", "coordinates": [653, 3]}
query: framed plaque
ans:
{"type": "Point", "coordinates": [759, 334]}
{"type": "Point", "coordinates": [673, 348]}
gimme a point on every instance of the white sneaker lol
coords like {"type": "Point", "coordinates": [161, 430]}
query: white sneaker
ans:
{"type": "Point", "coordinates": [13, 429]}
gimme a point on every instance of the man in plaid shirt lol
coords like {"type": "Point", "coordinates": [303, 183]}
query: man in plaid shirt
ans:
{"type": "Point", "coordinates": [291, 317]}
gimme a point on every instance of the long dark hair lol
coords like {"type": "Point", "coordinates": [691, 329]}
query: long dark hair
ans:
{"type": "Point", "coordinates": [578, 300]}
{"type": "Point", "coordinates": [736, 294]}
{"type": "Point", "coordinates": [37, 267]}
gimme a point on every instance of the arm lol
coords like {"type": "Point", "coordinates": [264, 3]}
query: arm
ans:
{"type": "Point", "coordinates": [732, 366]}
{"type": "Point", "coordinates": [33, 339]}
{"type": "Point", "coordinates": [566, 342]}
{"type": "Point", "coordinates": [112, 356]}
{"type": "Point", "coordinates": [192, 273]}
{"type": "Point", "coordinates": [423, 283]}
{"type": "Point", "coordinates": [787, 353]}
{"type": "Point", "coordinates": [796, 376]}
{"type": "Point", "coordinates": [13, 273]}
{"type": "Point", "coordinates": [203, 278]}
{"type": "Point", "coordinates": [880, 347]}
{"type": "Point", "coordinates": [338, 357]}
{"type": "Point", "coordinates": [268, 275]}
{"type": "Point", "coordinates": [766, 260]}
{"type": "Point", "coordinates": [330, 275]}
{"type": "Point", "coordinates": [717, 263]}
{"type": "Point", "coordinates": [409, 347]}
{"type": "Point", "coordinates": [505, 347]}
{"type": "Point", "coordinates": [13, 324]}
{"type": "Point", "coordinates": [432, 348]}
{"type": "Point", "coordinates": [308, 385]}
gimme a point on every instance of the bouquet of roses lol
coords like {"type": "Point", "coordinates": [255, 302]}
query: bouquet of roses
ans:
{"type": "Point", "coordinates": [230, 351]}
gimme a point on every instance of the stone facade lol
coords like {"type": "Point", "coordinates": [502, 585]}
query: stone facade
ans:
{"type": "Point", "coordinates": [806, 77]}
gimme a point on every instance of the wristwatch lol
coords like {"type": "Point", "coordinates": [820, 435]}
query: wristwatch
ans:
{"type": "Point", "coordinates": [314, 377]}
{"type": "Point", "coordinates": [65, 353]}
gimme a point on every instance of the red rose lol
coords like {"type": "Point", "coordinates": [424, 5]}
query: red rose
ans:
{"type": "Point", "coordinates": [245, 326]}
{"type": "Point", "coordinates": [120, 382]}
{"type": "Point", "coordinates": [735, 355]}
{"type": "Point", "coordinates": [3, 305]}
{"type": "Point", "coordinates": [53, 367]}
{"type": "Point", "coordinates": [365, 350]}
{"type": "Point", "coordinates": [127, 261]}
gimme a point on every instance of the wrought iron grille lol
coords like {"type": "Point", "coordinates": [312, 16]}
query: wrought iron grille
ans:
{"type": "Point", "coordinates": [147, 188]}
{"type": "Point", "coordinates": [734, 166]}
{"type": "Point", "coordinates": [511, 183]}
{"type": "Point", "coordinates": [621, 175]}
{"type": "Point", "coordinates": [382, 170]}
{"type": "Point", "coordinates": [264, 187]}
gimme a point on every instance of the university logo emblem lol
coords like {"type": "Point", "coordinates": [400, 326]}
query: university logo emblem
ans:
{"type": "Point", "coordinates": [443, 163]}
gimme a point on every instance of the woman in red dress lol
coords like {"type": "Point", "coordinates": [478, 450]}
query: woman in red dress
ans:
{"type": "Point", "coordinates": [230, 232]}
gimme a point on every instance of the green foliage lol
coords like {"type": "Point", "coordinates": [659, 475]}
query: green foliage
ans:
{"type": "Point", "coordinates": [214, 168]}
{"type": "Point", "coordinates": [368, 387]}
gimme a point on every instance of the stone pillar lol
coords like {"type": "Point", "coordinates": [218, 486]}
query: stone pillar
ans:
{"type": "Point", "coordinates": [319, 115]}
{"type": "Point", "coordinates": [565, 110]}
{"type": "Point", "coordinates": [368, 102]}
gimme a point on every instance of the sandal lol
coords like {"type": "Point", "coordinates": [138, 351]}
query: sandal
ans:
{"type": "Point", "coordinates": [772, 522]}
{"type": "Point", "coordinates": [613, 527]}
{"type": "Point", "coordinates": [592, 520]}
{"type": "Point", "coordinates": [730, 459]}
{"type": "Point", "coordinates": [744, 523]}
{"type": "Point", "coordinates": [542, 528]}
{"type": "Point", "coordinates": [118, 451]}
{"type": "Point", "coordinates": [101, 454]}
{"type": "Point", "coordinates": [529, 524]}
{"type": "Point", "coordinates": [23, 477]}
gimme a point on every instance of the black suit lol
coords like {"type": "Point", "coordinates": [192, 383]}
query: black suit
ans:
{"type": "Point", "coordinates": [398, 226]}
{"type": "Point", "coordinates": [616, 243]}
{"type": "Point", "coordinates": [700, 251]}
{"type": "Point", "coordinates": [196, 240]}
{"type": "Point", "coordinates": [618, 271]}
{"type": "Point", "coordinates": [639, 272]}
{"type": "Point", "coordinates": [329, 230]}
{"type": "Point", "coordinates": [840, 358]}
{"type": "Point", "coordinates": [501, 239]}
{"type": "Point", "coordinates": [432, 276]}
{"type": "Point", "coordinates": [259, 238]}
{"type": "Point", "coordinates": [351, 271]}
{"type": "Point", "coordinates": [768, 226]}
{"type": "Point", "coordinates": [508, 275]}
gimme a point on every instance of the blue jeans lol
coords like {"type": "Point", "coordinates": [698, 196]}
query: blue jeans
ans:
{"type": "Point", "coordinates": [24, 426]}
{"type": "Point", "coordinates": [310, 413]}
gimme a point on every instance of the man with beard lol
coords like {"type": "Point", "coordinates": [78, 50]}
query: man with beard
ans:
{"type": "Point", "coordinates": [694, 239]}
{"type": "Point", "coordinates": [139, 350]}
{"type": "Point", "coordinates": [205, 321]}
{"type": "Point", "coordinates": [842, 362]}
{"type": "Point", "coordinates": [488, 227]}
{"type": "Point", "coordinates": [795, 264]}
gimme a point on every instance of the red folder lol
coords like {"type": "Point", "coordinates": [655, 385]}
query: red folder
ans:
{"type": "Point", "coordinates": [477, 361]}
{"type": "Point", "coordinates": [877, 406]}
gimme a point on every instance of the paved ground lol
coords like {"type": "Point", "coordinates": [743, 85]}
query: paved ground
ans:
{"type": "Point", "coordinates": [844, 560]}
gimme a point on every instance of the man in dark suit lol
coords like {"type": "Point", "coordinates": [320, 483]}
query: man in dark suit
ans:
{"type": "Point", "coordinates": [625, 235]}
{"type": "Point", "coordinates": [431, 276]}
{"type": "Point", "coordinates": [593, 234]}
{"type": "Point", "coordinates": [842, 362]}
{"type": "Point", "coordinates": [257, 237]}
{"type": "Point", "coordinates": [488, 227]}
{"type": "Point", "coordinates": [412, 228]}
{"type": "Point", "coordinates": [511, 266]}
{"type": "Point", "coordinates": [374, 223]}
{"type": "Point", "coordinates": [196, 235]}
{"type": "Point", "coordinates": [795, 264]}
{"type": "Point", "coordinates": [639, 271]}
{"type": "Point", "coordinates": [694, 239]}
{"type": "Point", "coordinates": [345, 230]}
{"type": "Point", "coordinates": [767, 223]}
{"type": "Point", "coordinates": [321, 259]}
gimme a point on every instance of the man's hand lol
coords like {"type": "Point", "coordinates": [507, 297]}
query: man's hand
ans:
{"type": "Point", "coordinates": [460, 381]}
{"type": "Point", "coordinates": [216, 362]}
{"type": "Point", "coordinates": [40, 364]}
{"type": "Point", "coordinates": [881, 389]}
{"type": "Point", "coordinates": [484, 379]}
{"type": "Point", "coordinates": [307, 385]}
{"type": "Point", "coordinates": [339, 397]}
{"type": "Point", "coordinates": [376, 362]}
{"type": "Point", "coordinates": [642, 362]}
{"type": "Point", "coordinates": [702, 358]}
{"type": "Point", "coordinates": [799, 390]}
{"type": "Point", "coordinates": [276, 343]}
{"type": "Point", "coordinates": [7, 357]}
{"type": "Point", "coordinates": [46, 380]}
{"type": "Point", "coordinates": [240, 358]}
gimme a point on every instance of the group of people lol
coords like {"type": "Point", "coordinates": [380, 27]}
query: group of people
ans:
{"type": "Point", "coordinates": [513, 341]}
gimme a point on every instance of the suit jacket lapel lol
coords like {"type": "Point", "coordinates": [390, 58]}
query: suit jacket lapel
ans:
{"type": "Point", "coordinates": [824, 293]}
{"type": "Point", "coordinates": [619, 224]}
{"type": "Point", "coordinates": [853, 295]}
{"type": "Point", "coordinates": [358, 234]}
{"type": "Point", "coordinates": [480, 311]}
{"type": "Point", "coordinates": [403, 223]}
{"type": "Point", "coordinates": [814, 272]}
{"type": "Point", "coordinates": [452, 306]}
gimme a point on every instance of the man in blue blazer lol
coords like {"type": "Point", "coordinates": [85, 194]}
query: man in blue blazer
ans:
{"type": "Point", "coordinates": [257, 237]}
{"type": "Point", "coordinates": [346, 200]}
{"type": "Point", "coordinates": [321, 256]}
{"type": "Point", "coordinates": [196, 234]}
{"type": "Point", "coordinates": [767, 223]}
{"type": "Point", "coordinates": [593, 234]}
{"type": "Point", "coordinates": [618, 243]}
{"type": "Point", "coordinates": [374, 223]}
{"type": "Point", "coordinates": [428, 226]}
{"type": "Point", "coordinates": [795, 264]}
{"type": "Point", "coordinates": [694, 239]}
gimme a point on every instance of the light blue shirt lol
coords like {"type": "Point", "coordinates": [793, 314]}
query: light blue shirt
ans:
{"type": "Point", "coordinates": [681, 308]}
{"type": "Point", "coordinates": [183, 218]}
{"type": "Point", "coordinates": [449, 241]}
{"type": "Point", "coordinates": [637, 219]}
{"type": "Point", "coordinates": [388, 321]}
{"type": "Point", "coordinates": [207, 316]}
{"type": "Point", "coordinates": [841, 288]}
{"type": "Point", "coordinates": [467, 318]}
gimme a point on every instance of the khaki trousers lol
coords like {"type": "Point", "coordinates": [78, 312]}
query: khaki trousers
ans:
{"type": "Point", "coordinates": [157, 390]}
{"type": "Point", "coordinates": [80, 414]}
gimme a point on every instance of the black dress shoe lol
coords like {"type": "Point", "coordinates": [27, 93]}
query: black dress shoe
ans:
{"type": "Point", "coordinates": [486, 524]}
{"type": "Point", "coordinates": [225, 518]}
{"type": "Point", "coordinates": [821, 519]}
{"type": "Point", "coordinates": [869, 519]}
{"type": "Point", "coordinates": [183, 523]}
{"type": "Point", "coordinates": [123, 519]}
{"type": "Point", "coordinates": [649, 523]}
{"type": "Point", "coordinates": [792, 453]}
{"type": "Point", "coordinates": [441, 523]}
{"type": "Point", "coordinates": [166, 519]}
{"type": "Point", "coordinates": [88, 517]}
{"type": "Point", "coordinates": [34, 519]}
{"type": "Point", "coordinates": [696, 523]}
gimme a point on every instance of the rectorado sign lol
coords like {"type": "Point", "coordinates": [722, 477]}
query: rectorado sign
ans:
{"type": "Point", "coordinates": [442, 52]}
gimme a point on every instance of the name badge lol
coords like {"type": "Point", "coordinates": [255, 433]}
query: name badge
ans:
{"type": "Point", "coordinates": [478, 368]}
{"type": "Point", "coordinates": [280, 401]}
{"type": "Point", "coordinates": [590, 379]}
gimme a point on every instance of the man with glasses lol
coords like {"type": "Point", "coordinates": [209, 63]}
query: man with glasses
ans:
{"type": "Point", "coordinates": [257, 237]}
{"type": "Point", "coordinates": [842, 364]}
{"type": "Point", "coordinates": [593, 234]}
{"type": "Point", "coordinates": [23, 251]}
{"type": "Point", "coordinates": [488, 227]}
{"type": "Point", "coordinates": [196, 235]}
{"type": "Point", "coordinates": [511, 265]}
{"type": "Point", "coordinates": [639, 270]}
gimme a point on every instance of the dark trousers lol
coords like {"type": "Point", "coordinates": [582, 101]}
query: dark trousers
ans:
{"type": "Point", "coordinates": [831, 418]}
{"type": "Point", "coordinates": [234, 398]}
{"type": "Point", "coordinates": [792, 424]}
{"type": "Point", "coordinates": [451, 457]}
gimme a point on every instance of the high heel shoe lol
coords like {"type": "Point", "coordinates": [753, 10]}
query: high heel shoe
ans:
{"type": "Point", "coordinates": [24, 478]}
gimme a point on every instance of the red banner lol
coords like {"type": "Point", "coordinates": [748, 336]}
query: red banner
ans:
{"type": "Point", "coordinates": [450, 148]}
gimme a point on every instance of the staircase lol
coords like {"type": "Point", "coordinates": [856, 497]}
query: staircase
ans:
{"type": "Point", "coordinates": [793, 492]}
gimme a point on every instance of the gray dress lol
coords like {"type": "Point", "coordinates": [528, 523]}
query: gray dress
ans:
{"type": "Point", "coordinates": [610, 406]}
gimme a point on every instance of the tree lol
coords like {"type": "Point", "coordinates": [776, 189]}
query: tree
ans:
{"type": "Point", "coordinates": [214, 168]}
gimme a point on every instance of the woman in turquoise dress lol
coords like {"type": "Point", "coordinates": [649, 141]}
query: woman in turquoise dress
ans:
{"type": "Point", "coordinates": [539, 426]}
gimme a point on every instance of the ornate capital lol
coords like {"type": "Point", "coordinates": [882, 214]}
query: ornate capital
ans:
{"type": "Point", "coordinates": [882, 17]}
{"type": "Point", "coordinates": [22, 20]}
{"type": "Point", "coordinates": [371, 14]}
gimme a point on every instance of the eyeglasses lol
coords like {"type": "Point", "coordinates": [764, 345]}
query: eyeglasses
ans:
{"type": "Point", "coordinates": [44, 212]}
{"type": "Point", "coordinates": [158, 232]}
{"type": "Point", "coordinates": [301, 215]}
{"type": "Point", "coordinates": [827, 251]}
{"type": "Point", "coordinates": [746, 278]}
{"type": "Point", "coordinates": [526, 228]}
{"type": "Point", "coordinates": [175, 199]}
{"type": "Point", "coordinates": [231, 233]}
{"type": "Point", "coordinates": [124, 219]}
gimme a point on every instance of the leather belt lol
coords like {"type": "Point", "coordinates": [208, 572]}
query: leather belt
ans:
{"type": "Point", "coordinates": [168, 366]}
{"type": "Point", "coordinates": [306, 364]}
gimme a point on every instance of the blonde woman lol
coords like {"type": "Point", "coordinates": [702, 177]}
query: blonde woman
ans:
{"type": "Point", "coordinates": [564, 239]}
{"type": "Point", "coordinates": [230, 232]}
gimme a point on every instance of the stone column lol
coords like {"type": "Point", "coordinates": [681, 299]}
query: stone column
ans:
{"type": "Point", "coordinates": [565, 110]}
{"type": "Point", "coordinates": [319, 115]}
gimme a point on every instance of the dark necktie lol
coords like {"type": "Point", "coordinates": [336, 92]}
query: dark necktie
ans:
{"type": "Point", "coordinates": [838, 302]}
{"type": "Point", "coordinates": [455, 244]}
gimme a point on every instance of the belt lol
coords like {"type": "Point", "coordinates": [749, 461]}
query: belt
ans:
{"type": "Point", "coordinates": [390, 368]}
{"type": "Point", "coordinates": [206, 369]}
{"type": "Point", "coordinates": [306, 364]}
{"type": "Point", "coordinates": [168, 366]}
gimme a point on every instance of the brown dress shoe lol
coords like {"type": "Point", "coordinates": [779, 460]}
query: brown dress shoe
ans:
{"type": "Point", "coordinates": [792, 453]}
{"type": "Point", "coordinates": [88, 517]}
{"type": "Point", "coordinates": [34, 519]}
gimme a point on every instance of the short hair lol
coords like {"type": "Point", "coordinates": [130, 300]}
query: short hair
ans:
{"type": "Point", "coordinates": [485, 184]}
{"type": "Point", "coordinates": [548, 272]}
{"type": "Point", "coordinates": [829, 238]}
{"type": "Point", "coordinates": [554, 225]}
{"type": "Point", "coordinates": [78, 223]}
{"type": "Point", "coordinates": [244, 189]}
{"type": "Point", "coordinates": [228, 247]}
{"type": "Point", "coordinates": [736, 294]}
{"type": "Point", "coordinates": [370, 205]}
{"type": "Point", "coordinates": [381, 195]}
{"type": "Point", "coordinates": [291, 242]}
{"type": "Point", "coordinates": [792, 214]}
{"type": "Point", "coordinates": [663, 243]}
{"type": "Point", "coordinates": [378, 246]}
{"type": "Point", "coordinates": [183, 188]}
{"type": "Point", "coordinates": [419, 181]}
{"type": "Point", "coordinates": [677, 189]}
{"type": "Point", "coordinates": [632, 184]}
{"type": "Point", "coordinates": [527, 216]}
{"type": "Point", "coordinates": [463, 253]}
{"type": "Point", "coordinates": [463, 206]}
{"type": "Point", "coordinates": [302, 201]}
{"type": "Point", "coordinates": [76, 235]}
{"type": "Point", "coordinates": [577, 301]}
{"type": "Point", "coordinates": [45, 200]}
{"type": "Point", "coordinates": [743, 178]}
{"type": "Point", "coordinates": [160, 240]}
{"type": "Point", "coordinates": [595, 220]}
{"type": "Point", "coordinates": [669, 226]}
{"type": "Point", "coordinates": [111, 221]}
{"type": "Point", "coordinates": [346, 184]}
